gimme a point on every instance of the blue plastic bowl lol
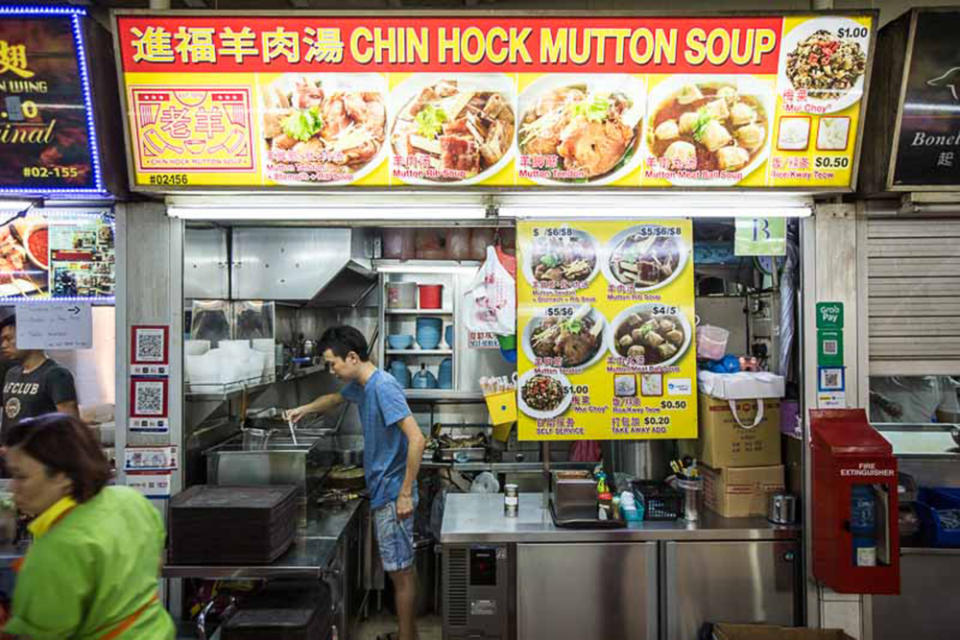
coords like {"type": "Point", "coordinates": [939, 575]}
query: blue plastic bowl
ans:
{"type": "Point", "coordinates": [400, 341]}
{"type": "Point", "coordinates": [429, 332]}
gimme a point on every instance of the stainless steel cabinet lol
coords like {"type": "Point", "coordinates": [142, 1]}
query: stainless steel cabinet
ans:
{"type": "Point", "coordinates": [587, 591]}
{"type": "Point", "coordinates": [928, 602]}
{"type": "Point", "coordinates": [205, 264]}
{"type": "Point", "coordinates": [740, 582]}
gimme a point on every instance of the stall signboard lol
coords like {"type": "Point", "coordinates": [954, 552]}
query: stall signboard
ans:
{"type": "Point", "coordinates": [928, 145]}
{"type": "Point", "coordinates": [47, 140]}
{"type": "Point", "coordinates": [328, 100]}
{"type": "Point", "coordinates": [605, 318]}
{"type": "Point", "coordinates": [59, 254]}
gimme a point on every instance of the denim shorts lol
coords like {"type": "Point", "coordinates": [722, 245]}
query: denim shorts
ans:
{"type": "Point", "coordinates": [394, 537]}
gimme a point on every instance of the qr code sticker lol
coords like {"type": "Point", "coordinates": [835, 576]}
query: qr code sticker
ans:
{"type": "Point", "coordinates": [150, 346]}
{"type": "Point", "coordinates": [830, 347]}
{"type": "Point", "coordinates": [831, 379]}
{"type": "Point", "coordinates": [149, 398]}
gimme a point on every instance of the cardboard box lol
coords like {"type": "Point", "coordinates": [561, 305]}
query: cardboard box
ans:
{"type": "Point", "coordinates": [739, 492]}
{"type": "Point", "coordinates": [724, 443]}
{"type": "Point", "coordinates": [723, 631]}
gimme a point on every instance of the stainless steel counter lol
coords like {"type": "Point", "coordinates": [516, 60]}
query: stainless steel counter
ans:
{"type": "Point", "coordinates": [472, 517]}
{"type": "Point", "coordinates": [311, 555]}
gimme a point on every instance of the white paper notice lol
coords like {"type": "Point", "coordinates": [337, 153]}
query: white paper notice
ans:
{"type": "Point", "coordinates": [55, 325]}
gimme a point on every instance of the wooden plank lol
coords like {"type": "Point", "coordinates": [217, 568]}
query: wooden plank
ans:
{"type": "Point", "coordinates": [913, 267]}
{"type": "Point", "coordinates": [913, 287]}
{"type": "Point", "coordinates": [913, 228]}
{"type": "Point", "coordinates": [914, 248]}
{"type": "Point", "coordinates": [915, 307]}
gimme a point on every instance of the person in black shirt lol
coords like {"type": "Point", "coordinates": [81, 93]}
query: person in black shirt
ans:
{"type": "Point", "coordinates": [35, 385]}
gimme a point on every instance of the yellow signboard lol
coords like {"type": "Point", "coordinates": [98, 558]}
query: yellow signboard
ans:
{"type": "Point", "coordinates": [443, 102]}
{"type": "Point", "coordinates": [605, 317]}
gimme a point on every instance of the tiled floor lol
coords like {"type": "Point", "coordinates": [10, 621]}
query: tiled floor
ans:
{"type": "Point", "coordinates": [428, 627]}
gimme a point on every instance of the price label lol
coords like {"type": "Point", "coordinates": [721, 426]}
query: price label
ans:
{"type": "Point", "coordinates": [659, 231]}
{"type": "Point", "coordinates": [673, 404]}
{"type": "Point", "coordinates": [663, 310]}
{"type": "Point", "coordinates": [559, 312]}
{"type": "Point", "coordinates": [581, 389]}
{"type": "Point", "coordinates": [656, 420]}
{"type": "Point", "coordinates": [560, 232]}
{"type": "Point", "coordinates": [854, 32]}
{"type": "Point", "coordinates": [826, 162]}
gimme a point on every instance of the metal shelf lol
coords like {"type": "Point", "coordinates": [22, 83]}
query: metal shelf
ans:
{"type": "Point", "coordinates": [419, 352]}
{"type": "Point", "coordinates": [222, 391]}
{"type": "Point", "coordinates": [444, 395]}
{"type": "Point", "coordinates": [418, 312]}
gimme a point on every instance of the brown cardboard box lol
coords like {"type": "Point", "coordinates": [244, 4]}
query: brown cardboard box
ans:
{"type": "Point", "coordinates": [724, 443]}
{"type": "Point", "coordinates": [739, 492]}
{"type": "Point", "coordinates": [723, 631]}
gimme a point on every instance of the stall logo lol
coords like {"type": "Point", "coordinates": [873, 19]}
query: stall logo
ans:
{"type": "Point", "coordinates": [950, 80]}
{"type": "Point", "coordinates": [13, 58]}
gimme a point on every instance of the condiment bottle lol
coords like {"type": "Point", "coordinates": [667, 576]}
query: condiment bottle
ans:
{"type": "Point", "coordinates": [511, 500]}
{"type": "Point", "coordinates": [606, 506]}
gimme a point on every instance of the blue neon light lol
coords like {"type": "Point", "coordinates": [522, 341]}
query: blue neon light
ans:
{"type": "Point", "coordinates": [75, 13]}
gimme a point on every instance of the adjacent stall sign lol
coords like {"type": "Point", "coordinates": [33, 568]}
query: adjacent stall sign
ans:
{"type": "Point", "coordinates": [928, 146]}
{"type": "Point", "coordinates": [446, 102]}
{"type": "Point", "coordinates": [606, 323]}
{"type": "Point", "coordinates": [55, 325]}
{"type": "Point", "coordinates": [760, 237]}
{"type": "Point", "coordinates": [63, 254]}
{"type": "Point", "coordinates": [47, 141]}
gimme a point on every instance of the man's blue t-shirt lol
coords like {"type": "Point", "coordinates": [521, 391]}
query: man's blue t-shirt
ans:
{"type": "Point", "coordinates": [382, 406]}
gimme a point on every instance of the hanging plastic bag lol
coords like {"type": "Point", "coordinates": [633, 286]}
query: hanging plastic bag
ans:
{"type": "Point", "coordinates": [490, 301]}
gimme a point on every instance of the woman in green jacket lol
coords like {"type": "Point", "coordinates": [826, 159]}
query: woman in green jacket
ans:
{"type": "Point", "coordinates": [91, 572]}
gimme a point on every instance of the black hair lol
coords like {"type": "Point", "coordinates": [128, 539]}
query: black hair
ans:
{"type": "Point", "coordinates": [65, 445]}
{"type": "Point", "coordinates": [9, 321]}
{"type": "Point", "coordinates": [342, 340]}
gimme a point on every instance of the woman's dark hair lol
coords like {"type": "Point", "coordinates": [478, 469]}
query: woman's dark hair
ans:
{"type": "Point", "coordinates": [342, 340]}
{"type": "Point", "coordinates": [66, 445]}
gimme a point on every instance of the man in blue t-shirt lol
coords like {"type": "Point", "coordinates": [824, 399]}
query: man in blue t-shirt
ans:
{"type": "Point", "coordinates": [393, 447]}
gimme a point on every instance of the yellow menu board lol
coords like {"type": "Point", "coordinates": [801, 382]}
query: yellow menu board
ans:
{"type": "Point", "coordinates": [605, 318]}
{"type": "Point", "coordinates": [317, 101]}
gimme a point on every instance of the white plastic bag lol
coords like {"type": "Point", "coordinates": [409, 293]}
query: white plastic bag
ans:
{"type": "Point", "coordinates": [490, 301]}
{"type": "Point", "coordinates": [746, 385]}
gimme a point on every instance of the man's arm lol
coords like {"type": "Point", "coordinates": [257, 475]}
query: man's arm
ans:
{"type": "Point", "coordinates": [415, 445]}
{"type": "Point", "coordinates": [322, 404]}
{"type": "Point", "coordinates": [69, 407]}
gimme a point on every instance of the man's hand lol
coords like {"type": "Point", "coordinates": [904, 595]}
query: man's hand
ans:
{"type": "Point", "coordinates": [404, 506]}
{"type": "Point", "coordinates": [296, 414]}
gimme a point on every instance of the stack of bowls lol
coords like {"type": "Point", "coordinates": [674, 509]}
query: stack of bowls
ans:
{"type": "Point", "coordinates": [428, 332]}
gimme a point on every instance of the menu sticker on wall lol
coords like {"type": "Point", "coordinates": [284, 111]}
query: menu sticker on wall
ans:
{"type": "Point", "coordinates": [150, 458]}
{"type": "Point", "coordinates": [605, 319]}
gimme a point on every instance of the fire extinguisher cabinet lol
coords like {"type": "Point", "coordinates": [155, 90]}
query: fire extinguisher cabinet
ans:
{"type": "Point", "coordinates": [856, 545]}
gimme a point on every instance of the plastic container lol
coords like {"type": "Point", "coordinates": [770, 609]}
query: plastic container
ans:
{"type": "Point", "coordinates": [399, 244]}
{"type": "Point", "coordinates": [196, 347]}
{"type": "Point", "coordinates": [628, 507]}
{"type": "Point", "coordinates": [502, 407]}
{"type": "Point", "coordinates": [445, 375]}
{"type": "Point", "coordinates": [458, 243]}
{"type": "Point", "coordinates": [398, 369]}
{"type": "Point", "coordinates": [480, 239]}
{"type": "Point", "coordinates": [401, 295]}
{"type": "Point", "coordinates": [431, 296]}
{"type": "Point", "coordinates": [428, 332]}
{"type": "Point", "coordinates": [711, 342]}
{"type": "Point", "coordinates": [939, 510]}
{"type": "Point", "coordinates": [448, 336]}
{"type": "Point", "coordinates": [424, 379]}
{"type": "Point", "coordinates": [660, 502]}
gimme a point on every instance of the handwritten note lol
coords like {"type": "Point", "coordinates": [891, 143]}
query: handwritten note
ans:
{"type": "Point", "coordinates": [55, 325]}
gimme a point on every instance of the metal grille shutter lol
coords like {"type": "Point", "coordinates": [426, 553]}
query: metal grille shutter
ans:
{"type": "Point", "coordinates": [913, 271]}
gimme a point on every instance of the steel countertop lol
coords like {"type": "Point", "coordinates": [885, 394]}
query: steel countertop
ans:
{"type": "Point", "coordinates": [479, 517]}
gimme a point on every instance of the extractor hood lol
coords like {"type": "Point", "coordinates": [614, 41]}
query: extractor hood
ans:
{"type": "Point", "coordinates": [317, 266]}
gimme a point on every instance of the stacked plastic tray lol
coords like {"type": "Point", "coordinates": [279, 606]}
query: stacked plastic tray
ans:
{"type": "Point", "coordinates": [232, 525]}
{"type": "Point", "coordinates": [284, 611]}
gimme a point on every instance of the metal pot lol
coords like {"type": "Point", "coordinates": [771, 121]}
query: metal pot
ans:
{"type": "Point", "coordinates": [782, 508]}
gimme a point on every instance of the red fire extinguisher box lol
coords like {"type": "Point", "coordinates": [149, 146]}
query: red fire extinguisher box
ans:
{"type": "Point", "coordinates": [856, 545]}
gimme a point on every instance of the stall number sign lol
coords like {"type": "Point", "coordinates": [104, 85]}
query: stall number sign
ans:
{"type": "Point", "coordinates": [760, 237]}
{"type": "Point", "coordinates": [55, 325]}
